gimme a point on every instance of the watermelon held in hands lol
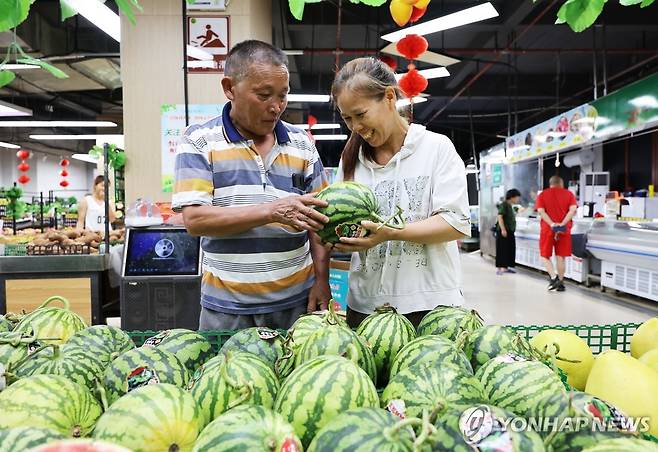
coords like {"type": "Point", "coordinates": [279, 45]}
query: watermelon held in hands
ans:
{"type": "Point", "coordinates": [104, 342]}
{"type": "Point", "coordinates": [449, 322]}
{"type": "Point", "coordinates": [26, 438]}
{"type": "Point", "coordinates": [142, 367]}
{"type": "Point", "coordinates": [249, 428]}
{"type": "Point", "coordinates": [50, 324]}
{"type": "Point", "coordinates": [153, 418]}
{"type": "Point", "coordinates": [189, 346]}
{"type": "Point", "coordinates": [49, 401]}
{"type": "Point", "coordinates": [350, 203]}
{"type": "Point", "coordinates": [320, 390]}
{"type": "Point", "coordinates": [387, 332]}
{"type": "Point", "coordinates": [365, 430]}
{"type": "Point", "coordinates": [226, 381]}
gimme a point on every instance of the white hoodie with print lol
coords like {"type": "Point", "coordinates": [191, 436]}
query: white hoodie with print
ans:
{"type": "Point", "coordinates": [426, 177]}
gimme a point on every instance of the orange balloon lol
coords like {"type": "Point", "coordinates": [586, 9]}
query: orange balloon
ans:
{"type": "Point", "coordinates": [421, 4]}
{"type": "Point", "coordinates": [401, 12]}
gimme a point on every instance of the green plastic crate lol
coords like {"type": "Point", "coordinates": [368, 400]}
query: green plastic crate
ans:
{"type": "Point", "coordinates": [598, 337]}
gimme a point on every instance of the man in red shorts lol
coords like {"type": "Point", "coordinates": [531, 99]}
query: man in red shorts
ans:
{"type": "Point", "coordinates": [556, 206]}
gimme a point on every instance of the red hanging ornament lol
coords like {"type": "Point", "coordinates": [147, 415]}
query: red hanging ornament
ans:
{"type": "Point", "coordinates": [64, 162]}
{"type": "Point", "coordinates": [312, 120]}
{"type": "Point", "coordinates": [389, 61]}
{"type": "Point", "coordinates": [412, 46]}
{"type": "Point", "coordinates": [64, 183]}
{"type": "Point", "coordinates": [417, 13]}
{"type": "Point", "coordinates": [64, 173]}
{"type": "Point", "coordinates": [23, 179]}
{"type": "Point", "coordinates": [23, 154]}
{"type": "Point", "coordinates": [412, 83]}
{"type": "Point", "coordinates": [23, 167]}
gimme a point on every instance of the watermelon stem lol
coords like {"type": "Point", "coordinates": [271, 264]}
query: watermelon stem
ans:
{"type": "Point", "coordinates": [427, 430]}
{"type": "Point", "coordinates": [332, 317]}
{"type": "Point", "coordinates": [397, 216]}
{"type": "Point", "coordinates": [280, 364]}
{"type": "Point", "coordinates": [461, 339]}
{"type": "Point", "coordinates": [18, 364]}
{"type": "Point", "coordinates": [64, 301]}
{"type": "Point", "coordinates": [385, 308]}
{"type": "Point", "coordinates": [391, 432]}
{"type": "Point", "coordinates": [246, 389]}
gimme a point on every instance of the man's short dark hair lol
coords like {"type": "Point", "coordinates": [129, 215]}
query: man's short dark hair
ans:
{"type": "Point", "coordinates": [555, 181]}
{"type": "Point", "coordinates": [246, 53]}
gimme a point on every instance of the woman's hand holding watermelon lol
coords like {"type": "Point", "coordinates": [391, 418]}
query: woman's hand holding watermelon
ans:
{"type": "Point", "coordinates": [376, 235]}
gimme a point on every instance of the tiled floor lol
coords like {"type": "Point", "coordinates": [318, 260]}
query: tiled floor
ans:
{"type": "Point", "coordinates": [523, 299]}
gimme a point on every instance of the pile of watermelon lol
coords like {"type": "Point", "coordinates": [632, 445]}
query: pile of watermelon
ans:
{"type": "Point", "coordinates": [452, 384]}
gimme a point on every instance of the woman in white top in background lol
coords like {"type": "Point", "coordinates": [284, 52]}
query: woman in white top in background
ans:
{"type": "Point", "coordinates": [416, 268]}
{"type": "Point", "coordinates": [91, 208]}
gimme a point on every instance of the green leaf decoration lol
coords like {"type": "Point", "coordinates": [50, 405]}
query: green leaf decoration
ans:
{"type": "Point", "coordinates": [6, 77]}
{"type": "Point", "coordinates": [13, 12]}
{"type": "Point", "coordinates": [126, 7]}
{"type": "Point", "coordinates": [296, 8]}
{"type": "Point", "coordinates": [370, 2]}
{"type": "Point", "coordinates": [559, 21]}
{"type": "Point", "coordinates": [581, 14]}
{"type": "Point", "coordinates": [47, 66]}
{"type": "Point", "coordinates": [630, 2]}
{"type": "Point", "coordinates": [646, 3]}
{"type": "Point", "coordinates": [67, 11]}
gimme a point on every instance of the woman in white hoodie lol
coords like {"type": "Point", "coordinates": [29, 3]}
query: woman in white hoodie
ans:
{"type": "Point", "coordinates": [416, 268]}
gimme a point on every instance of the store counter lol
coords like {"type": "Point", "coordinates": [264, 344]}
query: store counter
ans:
{"type": "Point", "coordinates": [628, 251]}
{"type": "Point", "coordinates": [26, 281]}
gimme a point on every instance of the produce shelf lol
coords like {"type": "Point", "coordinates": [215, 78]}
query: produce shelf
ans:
{"type": "Point", "coordinates": [598, 337]}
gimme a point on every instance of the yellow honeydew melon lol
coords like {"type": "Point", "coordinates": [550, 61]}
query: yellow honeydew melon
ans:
{"type": "Point", "coordinates": [650, 358]}
{"type": "Point", "coordinates": [626, 383]}
{"type": "Point", "coordinates": [571, 347]}
{"type": "Point", "coordinates": [645, 338]}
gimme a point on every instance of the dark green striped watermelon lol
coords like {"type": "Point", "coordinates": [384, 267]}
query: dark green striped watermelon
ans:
{"type": "Point", "coordinates": [248, 428]}
{"type": "Point", "coordinates": [363, 430]}
{"type": "Point", "coordinates": [103, 341]}
{"type": "Point", "coordinates": [334, 339]}
{"type": "Point", "coordinates": [623, 445]}
{"type": "Point", "coordinates": [432, 387]}
{"type": "Point", "coordinates": [307, 324]}
{"type": "Point", "coordinates": [49, 401]}
{"type": "Point", "coordinates": [429, 349]}
{"type": "Point", "coordinates": [74, 363]}
{"type": "Point", "coordinates": [387, 332]}
{"type": "Point", "coordinates": [322, 389]}
{"type": "Point", "coordinates": [527, 388]}
{"type": "Point", "coordinates": [482, 428]}
{"type": "Point", "coordinates": [594, 421]}
{"type": "Point", "coordinates": [227, 381]}
{"type": "Point", "coordinates": [5, 325]}
{"type": "Point", "coordinates": [142, 367]}
{"type": "Point", "coordinates": [20, 439]}
{"type": "Point", "coordinates": [350, 203]}
{"type": "Point", "coordinates": [51, 325]}
{"type": "Point", "coordinates": [269, 345]}
{"type": "Point", "coordinates": [189, 346]}
{"type": "Point", "coordinates": [490, 341]}
{"type": "Point", "coordinates": [449, 321]}
{"type": "Point", "coordinates": [152, 418]}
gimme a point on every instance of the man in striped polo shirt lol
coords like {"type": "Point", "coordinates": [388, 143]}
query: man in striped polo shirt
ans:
{"type": "Point", "coordinates": [245, 182]}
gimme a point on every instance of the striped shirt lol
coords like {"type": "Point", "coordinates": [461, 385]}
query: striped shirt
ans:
{"type": "Point", "coordinates": [268, 268]}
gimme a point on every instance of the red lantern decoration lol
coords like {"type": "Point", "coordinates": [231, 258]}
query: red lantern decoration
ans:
{"type": "Point", "coordinates": [64, 183]}
{"type": "Point", "coordinates": [417, 13]}
{"type": "Point", "coordinates": [23, 167]}
{"type": "Point", "coordinates": [23, 179]}
{"type": "Point", "coordinates": [23, 154]}
{"type": "Point", "coordinates": [412, 83]}
{"type": "Point", "coordinates": [64, 173]}
{"type": "Point", "coordinates": [412, 46]}
{"type": "Point", "coordinates": [389, 61]}
{"type": "Point", "coordinates": [64, 162]}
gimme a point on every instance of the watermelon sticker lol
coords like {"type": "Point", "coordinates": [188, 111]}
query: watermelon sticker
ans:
{"type": "Point", "coordinates": [156, 340]}
{"type": "Point", "coordinates": [33, 347]}
{"type": "Point", "coordinates": [509, 358]}
{"type": "Point", "coordinates": [606, 414]}
{"type": "Point", "coordinates": [351, 230]}
{"type": "Point", "coordinates": [267, 334]}
{"type": "Point", "coordinates": [397, 408]}
{"type": "Point", "coordinates": [290, 444]}
{"type": "Point", "coordinates": [142, 376]}
{"type": "Point", "coordinates": [482, 430]}
{"type": "Point", "coordinates": [195, 378]}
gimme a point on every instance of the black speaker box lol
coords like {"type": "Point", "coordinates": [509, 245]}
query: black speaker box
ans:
{"type": "Point", "coordinates": [160, 303]}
